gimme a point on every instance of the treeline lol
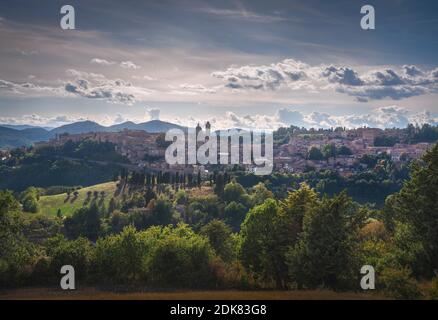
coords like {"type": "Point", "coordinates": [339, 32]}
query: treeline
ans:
{"type": "Point", "coordinates": [425, 133]}
{"type": "Point", "coordinates": [328, 151]}
{"type": "Point", "coordinates": [379, 178]}
{"type": "Point", "coordinates": [411, 134]}
{"type": "Point", "coordinates": [85, 149]}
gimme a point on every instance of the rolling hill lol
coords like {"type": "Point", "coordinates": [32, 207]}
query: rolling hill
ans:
{"type": "Point", "coordinates": [153, 126]}
{"type": "Point", "coordinates": [13, 138]}
{"type": "Point", "coordinates": [23, 126]}
{"type": "Point", "coordinates": [49, 205]}
{"type": "Point", "coordinates": [79, 127]}
{"type": "Point", "coordinates": [27, 135]}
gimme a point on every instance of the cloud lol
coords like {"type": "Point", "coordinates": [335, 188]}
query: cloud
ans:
{"type": "Point", "coordinates": [422, 118]}
{"type": "Point", "coordinates": [191, 89]}
{"type": "Point", "coordinates": [289, 75]}
{"type": "Point", "coordinates": [123, 64]}
{"type": "Point", "coordinates": [412, 71]}
{"type": "Point", "coordinates": [59, 120]}
{"type": "Point", "coordinates": [27, 52]}
{"type": "Point", "coordinates": [38, 120]}
{"type": "Point", "coordinates": [383, 117]}
{"type": "Point", "coordinates": [241, 15]}
{"type": "Point", "coordinates": [102, 62]}
{"type": "Point", "coordinates": [26, 87]}
{"type": "Point", "coordinates": [119, 119]}
{"type": "Point", "coordinates": [320, 120]}
{"type": "Point", "coordinates": [342, 75]}
{"type": "Point", "coordinates": [145, 77]}
{"type": "Point", "coordinates": [290, 117]}
{"type": "Point", "coordinates": [269, 77]}
{"type": "Point", "coordinates": [129, 65]}
{"type": "Point", "coordinates": [363, 94]}
{"type": "Point", "coordinates": [153, 113]}
{"type": "Point", "coordinates": [82, 84]}
{"type": "Point", "coordinates": [97, 86]}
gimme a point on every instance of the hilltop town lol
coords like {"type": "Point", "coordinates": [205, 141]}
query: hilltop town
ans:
{"type": "Point", "coordinates": [342, 150]}
{"type": "Point", "coordinates": [298, 150]}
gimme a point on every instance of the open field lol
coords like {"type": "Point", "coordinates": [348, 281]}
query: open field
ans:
{"type": "Point", "coordinates": [200, 192]}
{"type": "Point", "coordinates": [49, 205]}
{"type": "Point", "coordinates": [95, 294]}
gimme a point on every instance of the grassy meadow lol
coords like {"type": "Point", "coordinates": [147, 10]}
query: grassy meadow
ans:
{"type": "Point", "coordinates": [49, 205]}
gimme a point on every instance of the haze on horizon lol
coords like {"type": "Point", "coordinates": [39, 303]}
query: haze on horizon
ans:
{"type": "Point", "coordinates": [252, 64]}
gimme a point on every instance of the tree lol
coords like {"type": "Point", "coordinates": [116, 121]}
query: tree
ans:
{"type": "Point", "coordinates": [113, 205]}
{"type": "Point", "coordinates": [149, 195]}
{"type": "Point", "coordinates": [234, 191]}
{"type": "Point", "coordinates": [398, 284]}
{"type": "Point", "coordinates": [344, 151]}
{"type": "Point", "coordinates": [290, 223]}
{"type": "Point", "coordinates": [260, 194]}
{"type": "Point", "coordinates": [327, 251]}
{"type": "Point", "coordinates": [219, 184]}
{"type": "Point", "coordinates": [416, 205]}
{"type": "Point", "coordinates": [259, 247]}
{"type": "Point", "coordinates": [181, 197]}
{"type": "Point", "coordinates": [84, 222]}
{"type": "Point", "coordinates": [234, 214]}
{"type": "Point", "coordinates": [29, 199]}
{"type": "Point", "coordinates": [181, 259]}
{"type": "Point", "coordinates": [329, 151]}
{"type": "Point", "coordinates": [199, 180]}
{"type": "Point", "coordinates": [220, 237]}
{"type": "Point", "coordinates": [162, 211]}
{"type": "Point", "coordinates": [120, 258]}
{"type": "Point", "coordinates": [77, 253]}
{"type": "Point", "coordinates": [315, 154]}
{"type": "Point", "coordinates": [294, 208]}
{"type": "Point", "coordinates": [16, 252]}
{"type": "Point", "coordinates": [202, 210]}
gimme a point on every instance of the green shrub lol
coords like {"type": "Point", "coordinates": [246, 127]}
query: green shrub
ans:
{"type": "Point", "coordinates": [182, 260]}
{"type": "Point", "coordinates": [433, 294]}
{"type": "Point", "coordinates": [398, 284]}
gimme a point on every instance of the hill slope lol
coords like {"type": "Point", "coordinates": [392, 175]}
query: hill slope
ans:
{"type": "Point", "coordinates": [79, 127]}
{"type": "Point", "coordinates": [153, 126]}
{"type": "Point", "coordinates": [49, 205]}
{"type": "Point", "coordinates": [13, 138]}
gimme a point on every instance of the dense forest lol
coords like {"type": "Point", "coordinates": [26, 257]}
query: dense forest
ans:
{"type": "Point", "coordinates": [164, 231]}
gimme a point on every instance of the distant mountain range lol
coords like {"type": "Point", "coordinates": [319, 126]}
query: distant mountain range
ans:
{"type": "Point", "coordinates": [12, 136]}
{"type": "Point", "coordinates": [23, 126]}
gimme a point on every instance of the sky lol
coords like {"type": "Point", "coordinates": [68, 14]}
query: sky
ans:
{"type": "Point", "coordinates": [253, 64]}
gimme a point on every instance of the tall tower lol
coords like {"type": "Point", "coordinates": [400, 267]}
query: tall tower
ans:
{"type": "Point", "coordinates": [198, 129]}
